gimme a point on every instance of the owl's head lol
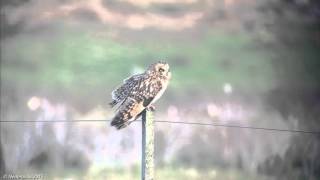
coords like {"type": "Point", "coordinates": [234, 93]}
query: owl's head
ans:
{"type": "Point", "coordinates": [160, 69]}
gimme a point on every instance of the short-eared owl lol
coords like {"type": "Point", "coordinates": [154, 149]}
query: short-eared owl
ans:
{"type": "Point", "coordinates": [139, 92]}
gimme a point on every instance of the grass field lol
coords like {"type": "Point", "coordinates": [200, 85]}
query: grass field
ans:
{"type": "Point", "coordinates": [78, 64]}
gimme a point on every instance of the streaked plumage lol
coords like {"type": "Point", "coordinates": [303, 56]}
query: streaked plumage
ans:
{"type": "Point", "coordinates": [139, 92]}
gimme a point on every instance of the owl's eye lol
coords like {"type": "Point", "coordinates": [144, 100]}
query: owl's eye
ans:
{"type": "Point", "coordinates": [161, 70]}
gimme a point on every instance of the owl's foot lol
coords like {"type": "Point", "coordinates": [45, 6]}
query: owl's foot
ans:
{"type": "Point", "coordinates": [151, 108]}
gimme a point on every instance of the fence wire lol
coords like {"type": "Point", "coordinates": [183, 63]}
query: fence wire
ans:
{"type": "Point", "coordinates": [178, 122]}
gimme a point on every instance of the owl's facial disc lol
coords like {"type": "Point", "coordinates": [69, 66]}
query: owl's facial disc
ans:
{"type": "Point", "coordinates": [162, 69]}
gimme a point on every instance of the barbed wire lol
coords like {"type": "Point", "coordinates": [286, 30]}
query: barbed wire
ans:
{"type": "Point", "coordinates": [177, 122]}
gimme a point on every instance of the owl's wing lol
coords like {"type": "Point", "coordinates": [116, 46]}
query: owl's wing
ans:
{"type": "Point", "coordinates": [124, 90]}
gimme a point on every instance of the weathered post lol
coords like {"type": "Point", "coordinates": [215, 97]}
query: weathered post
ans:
{"type": "Point", "coordinates": [147, 156]}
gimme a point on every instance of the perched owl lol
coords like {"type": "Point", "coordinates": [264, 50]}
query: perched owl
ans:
{"type": "Point", "coordinates": [139, 92]}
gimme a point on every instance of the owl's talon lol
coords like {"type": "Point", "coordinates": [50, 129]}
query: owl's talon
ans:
{"type": "Point", "coordinates": [151, 108]}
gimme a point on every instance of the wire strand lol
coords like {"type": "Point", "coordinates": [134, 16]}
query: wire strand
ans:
{"type": "Point", "coordinates": [178, 122]}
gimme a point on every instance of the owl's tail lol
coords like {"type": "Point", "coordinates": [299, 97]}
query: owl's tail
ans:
{"type": "Point", "coordinates": [119, 123]}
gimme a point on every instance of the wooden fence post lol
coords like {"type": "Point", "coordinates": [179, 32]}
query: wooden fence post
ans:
{"type": "Point", "coordinates": [147, 156]}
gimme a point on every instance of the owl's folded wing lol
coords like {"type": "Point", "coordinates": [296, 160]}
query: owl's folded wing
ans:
{"type": "Point", "coordinates": [124, 90]}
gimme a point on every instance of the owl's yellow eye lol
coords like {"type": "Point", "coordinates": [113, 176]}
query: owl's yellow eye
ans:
{"type": "Point", "coordinates": [161, 70]}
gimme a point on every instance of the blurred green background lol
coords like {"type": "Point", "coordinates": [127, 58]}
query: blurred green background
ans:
{"type": "Point", "coordinates": [247, 62]}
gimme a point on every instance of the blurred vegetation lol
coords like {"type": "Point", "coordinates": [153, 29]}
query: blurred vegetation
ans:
{"type": "Point", "coordinates": [267, 50]}
{"type": "Point", "coordinates": [168, 173]}
{"type": "Point", "coordinates": [296, 28]}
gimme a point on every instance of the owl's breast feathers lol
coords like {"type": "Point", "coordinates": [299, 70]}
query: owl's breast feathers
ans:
{"type": "Point", "coordinates": [149, 90]}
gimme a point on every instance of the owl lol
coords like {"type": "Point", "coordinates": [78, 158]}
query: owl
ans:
{"type": "Point", "coordinates": [138, 93]}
